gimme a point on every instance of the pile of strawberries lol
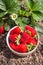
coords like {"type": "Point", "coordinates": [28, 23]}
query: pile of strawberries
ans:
{"type": "Point", "coordinates": [21, 39]}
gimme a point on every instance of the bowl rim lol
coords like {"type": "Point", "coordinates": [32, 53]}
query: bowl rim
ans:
{"type": "Point", "coordinates": [18, 53]}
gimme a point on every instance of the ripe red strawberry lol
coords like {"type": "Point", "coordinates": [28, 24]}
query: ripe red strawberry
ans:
{"type": "Point", "coordinates": [16, 31]}
{"type": "Point", "coordinates": [22, 48]}
{"type": "Point", "coordinates": [19, 48]}
{"type": "Point", "coordinates": [13, 37]}
{"type": "Point", "coordinates": [22, 40]}
{"type": "Point", "coordinates": [2, 29]}
{"type": "Point", "coordinates": [25, 37]}
{"type": "Point", "coordinates": [33, 41]}
{"type": "Point", "coordinates": [13, 46]}
{"type": "Point", "coordinates": [31, 30]}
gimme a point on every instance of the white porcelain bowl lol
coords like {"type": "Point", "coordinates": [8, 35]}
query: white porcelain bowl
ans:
{"type": "Point", "coordinates": [18, 53]}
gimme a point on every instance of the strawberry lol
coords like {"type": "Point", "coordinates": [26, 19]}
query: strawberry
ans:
{"type": "Point", "coordinates": [30, 30]}
{"type": "Point", "coordinates": [16, 31]}
{"type": "Point", "coordinates": [2, 29]}
{"type": "Point", "coordinates": [22, 48]}
{"type": "Point", "coordinates": [13, 37]}
{"type": "Point", "coordinates": [25, 37]}
{"type": "Point", "coordinates": [22, 40]}
{"type": "Point", "coordinates": [13, 46]}
{"type": "Point", "coordinates": [21, 33]}
{"type": "Point", "coordinates": [19, 48]}
{"type": "Point", "coordinates": [33, 41]}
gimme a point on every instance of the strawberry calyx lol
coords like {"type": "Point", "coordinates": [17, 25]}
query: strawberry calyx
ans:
{"type": "Point", "coordinates": [35, 37]}
{"type": "Point", "coordinates": [18, 39]}
{"type": "Point", "coordinates": [30, 47]}
{"type": "Point", "coordinates": [28, 32]}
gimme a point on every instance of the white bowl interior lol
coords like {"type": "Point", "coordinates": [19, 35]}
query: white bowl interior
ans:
{"type": "Point", "coordinates": [18, 53]}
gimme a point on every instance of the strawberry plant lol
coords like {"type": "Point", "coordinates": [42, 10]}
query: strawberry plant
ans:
{"type": "Point", "coordinates": [14, 12]}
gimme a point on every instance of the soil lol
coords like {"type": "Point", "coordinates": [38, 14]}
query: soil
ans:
{"type": "Point", "coordinates": [8, 58]}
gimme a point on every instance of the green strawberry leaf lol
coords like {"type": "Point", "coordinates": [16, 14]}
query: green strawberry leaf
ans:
{"type": "Point", "coordinates": [29, 4]}
{"type": "Point", "coordinates": [35, 8]}
{"type": "Point", "coordinates": [12, 6]}
{"type": "Point", "coordinates": [38, 5]}
{"type": "Point", "coordinates": [39, 29]}
{"type": "Point", "coordinates": [18, 1]}
{"type": "Point", "coordinates": [21, 22]}
{"type": "Point", "coordinates": [7, 27]}
{"type": "Point", "coordinates": [2, 6]}
{"type": "Point", "coordinates": [1, 22]}
{"type": "Point", "coordinates": [25, 13]}
{"type": "Point", "coordinates": [38, 16]}
{"type": "Point", "coordinates": [2, 14]}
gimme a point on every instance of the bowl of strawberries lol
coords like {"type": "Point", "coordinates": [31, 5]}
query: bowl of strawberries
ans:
{"type": "Point", "coordinates": [22, 42]}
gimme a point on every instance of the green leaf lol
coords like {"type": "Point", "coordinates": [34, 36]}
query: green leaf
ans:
{"type": "Point", "coordinates": [1, 22]}
{"type": "Point", "coordinates": [7, 27]}
{"type": "Point", "coordinates": [21, 22]}
{"type": "Point", "coordinates": [38, 16]}
{"type": "Point", "coordinates": [38, 5]}
{"type": "Point", "coordinates": [35, 7]}
{"type": "Point", "coordinates": [2, 14]}
{"type": "Point", "coordinates": [12, 6]}
{"type": "Point", "coordinates": [2, 6]}
{"type": "Point", "coordinates": [25, 13]}
{"type": "Point", "coordinates": [39, 29]}
{"type": "Point", "coordinates": [18, 1]}
{"type": "Point", "coordinates": [29, 4]}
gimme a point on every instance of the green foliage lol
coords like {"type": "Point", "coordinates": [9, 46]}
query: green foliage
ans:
{"type": "Point", "coordinates": [35, 8]}
{"type": "Point", "coordinates": [38, 5]}
{"type": "Point", "coordinates": [38, 16]}
{"type": "Point", "coordinates": [39, 29]}
{"type": "Point", "coordinates": [2, 13]}
{"type": "Point", "coordinates": [28, 13]}
{"type": "Point", "coordinates": [23, 12]}
{"type": "Point", "coordinates": [7, 27]}
{"type": "Point", "coordinates": [2, 6]}
{"type": "Point", "coordinates": [11, 6]}
{"type": "Point", "coordinates": [21, 21]}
